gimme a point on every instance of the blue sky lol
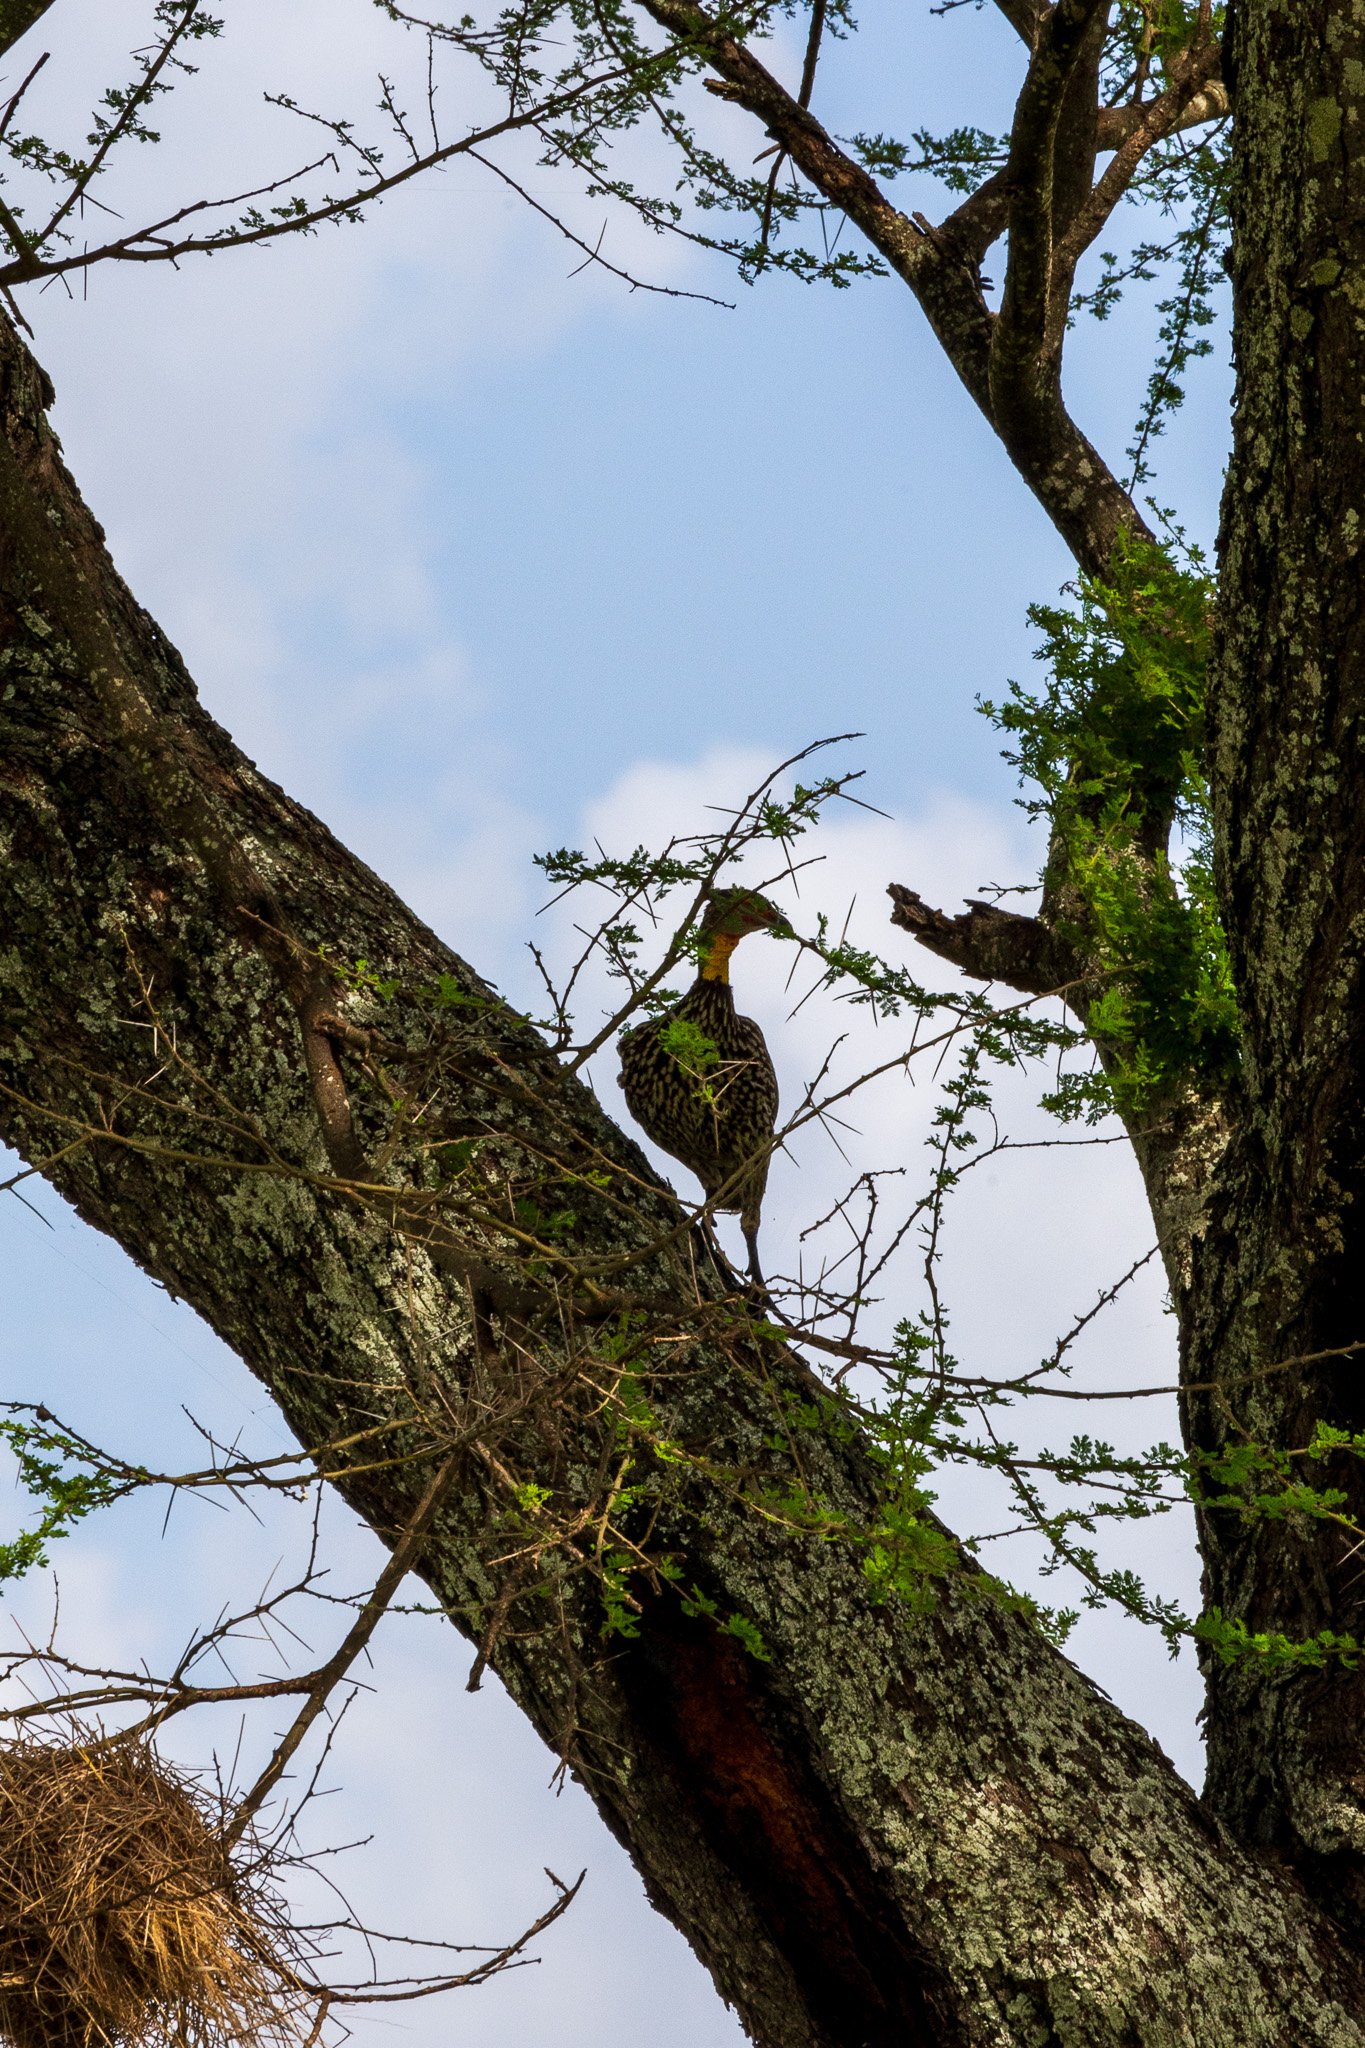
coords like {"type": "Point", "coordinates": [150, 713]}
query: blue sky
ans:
{"type": "Point", "coordinates": [478, 559]}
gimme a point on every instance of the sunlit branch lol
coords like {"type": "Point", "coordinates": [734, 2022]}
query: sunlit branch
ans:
{"type": "Point", "coordinates": [1212, 103]}
{"type": "Point", "coordinates": [1161, 118]}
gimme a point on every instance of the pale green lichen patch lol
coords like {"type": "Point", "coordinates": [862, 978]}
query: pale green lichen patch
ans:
{"type": "Point", "coordinates": [1324, 128]}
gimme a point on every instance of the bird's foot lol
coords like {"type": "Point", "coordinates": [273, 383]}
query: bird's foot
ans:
{"type": "Point", "coordinates": [758, 1286]}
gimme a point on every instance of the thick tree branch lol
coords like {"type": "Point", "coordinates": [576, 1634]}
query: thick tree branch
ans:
{"type": "Point", "coordinates": [981, 219]}
{"type": "Point", "coordinates": [17, 17]}
{"type": "Point", "coordinates": [1212, 103]}
{"type": "Point", "coordinates": [1025, 353]}
{"type": "Point", "coordinates": [1160, 118]}
{"type": "Point", "coordinates": [984, 216]}
{"type": "Point", "coordinates": [1053, 207]}
{"type": "Point", "coordinates": [1077, 136]}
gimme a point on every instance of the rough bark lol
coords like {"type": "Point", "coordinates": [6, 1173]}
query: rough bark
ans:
{"type": "Point", "coordinates": [1258, 1201]}
{"type": "Point", "coordinates": [896, 1829]}
{"type": "Point", "coordinates": [17, 17]}
{"type": "Point", "coordinates": [1281, 1272]}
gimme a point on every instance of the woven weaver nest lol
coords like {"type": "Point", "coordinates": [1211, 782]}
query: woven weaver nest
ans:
{"type": "Point", "coordinates": [123, 1918]}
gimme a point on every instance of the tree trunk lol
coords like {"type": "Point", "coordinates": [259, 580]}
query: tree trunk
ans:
{"type": "Point", "coordinates": [1281, 1272]}
{"type": "Point", "coordinates": [890, 1828]}
{"type": "Point", "coordinates": [17, 17]}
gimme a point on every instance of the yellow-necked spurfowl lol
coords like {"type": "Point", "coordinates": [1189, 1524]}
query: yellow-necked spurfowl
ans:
{"type": "Point", "coordinates": [699, 1079]}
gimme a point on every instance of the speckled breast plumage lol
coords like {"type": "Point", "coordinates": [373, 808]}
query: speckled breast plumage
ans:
{"type": "Point", "coordinates": [716, 1124]}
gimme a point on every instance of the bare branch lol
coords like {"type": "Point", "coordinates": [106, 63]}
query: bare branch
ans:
{"type": "Point", "coordinates": [592, 254]}
{"type": "Point", "coordinates": [158, 243]}
{"type": "Point", "coordinates": [406, 1554]}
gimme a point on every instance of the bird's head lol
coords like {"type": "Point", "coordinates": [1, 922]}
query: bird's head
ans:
{"type": "Point", "coordinates": [730, 915]}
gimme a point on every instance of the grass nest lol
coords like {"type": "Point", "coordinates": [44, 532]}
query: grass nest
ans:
{"type": "Point", "coordinates": [124, 1918]}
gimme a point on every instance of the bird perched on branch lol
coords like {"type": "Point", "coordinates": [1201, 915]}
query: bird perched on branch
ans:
{"type": "Point", "coordinates": [699, 1079]}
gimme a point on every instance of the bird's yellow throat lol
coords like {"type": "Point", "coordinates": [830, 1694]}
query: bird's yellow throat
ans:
{"type": "Point", "coordinates": [716, 965]}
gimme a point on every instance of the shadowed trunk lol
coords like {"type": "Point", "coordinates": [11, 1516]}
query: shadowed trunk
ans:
{"type": "Point", "coordinates": [1281, 1272]}
{"type": "Point", "coordinates": [17, 17]}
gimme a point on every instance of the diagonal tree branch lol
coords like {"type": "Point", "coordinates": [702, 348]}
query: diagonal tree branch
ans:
{"type": "Point", "coordinates": [1077, 137]}
{"type": "Point", "coordinates": [17, 17]}
{"type": "Point", "coordinates": [1190, 89]}
{"type": "Point", "coordinates": [1049, 164]}
{"type": "Point", "coordinates": [1133, 130]}
{"type": "Point", "coordinates": [981, 219]}
{"type": "Point", "coordinates": [1212, 103]}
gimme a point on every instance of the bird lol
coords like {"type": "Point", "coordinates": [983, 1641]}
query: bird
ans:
{"type": "Point", "coordinates": [699, 1079]}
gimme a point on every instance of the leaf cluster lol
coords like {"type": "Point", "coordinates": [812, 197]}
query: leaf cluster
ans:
{"type": "Point", "coordinates": [56, 1469]}
{"type": "Point", "coordinates": [1112, 744]}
